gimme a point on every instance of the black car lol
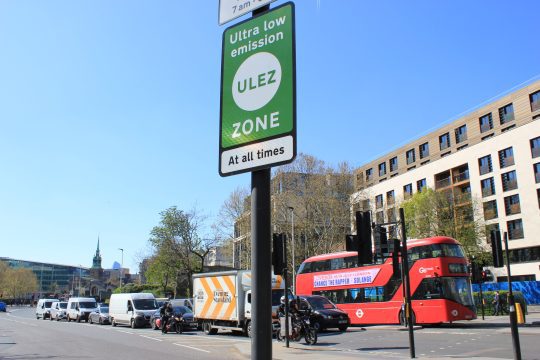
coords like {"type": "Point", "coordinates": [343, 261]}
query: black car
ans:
{"type": "Point", "coordinates": [324, 313]}
{"type": "Point", "coordinates": [186, 313]}
{"type": "Point", "coordinates": [100, 315]}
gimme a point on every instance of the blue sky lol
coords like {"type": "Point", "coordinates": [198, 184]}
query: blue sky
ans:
{"type": "Point", "coordinates": [109, 110]}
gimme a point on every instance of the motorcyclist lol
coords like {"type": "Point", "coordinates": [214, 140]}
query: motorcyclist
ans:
{"type": "Point", "coordinates": [166, 311]}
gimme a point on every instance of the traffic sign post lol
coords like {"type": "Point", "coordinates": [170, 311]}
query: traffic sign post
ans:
{"type": "Point", "coordinates": [258, 99]}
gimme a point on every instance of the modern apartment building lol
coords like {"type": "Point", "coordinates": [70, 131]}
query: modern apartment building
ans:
{"type": "Point", "coordinates": [491, 154]}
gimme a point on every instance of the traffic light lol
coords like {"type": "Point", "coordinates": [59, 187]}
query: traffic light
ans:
{"type": "Point", "coordinates": [476, 276]}
{"type": "Point", "coordinates": [351, 243]}
{"type": "Point", "coordinates": [278, 253]}
{"type": "Point", "coordinates": [496, 249]}
{"type": "Point", "coordinates": [395, 258]}
{"type": "Point", "coordinates": [380, 239]}
{"type": "Point", "coordinates": [363, 231]}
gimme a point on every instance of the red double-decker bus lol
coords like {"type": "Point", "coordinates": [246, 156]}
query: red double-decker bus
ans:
{"type": "Point", "coordinates": [440, 284]}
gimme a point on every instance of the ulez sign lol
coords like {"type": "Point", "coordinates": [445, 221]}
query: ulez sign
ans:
{"type": "Point", "coordinates": [258, 93]}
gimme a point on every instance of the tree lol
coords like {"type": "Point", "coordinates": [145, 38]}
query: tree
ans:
{"type": "Point", "coordinates": [19, 282]}
{"type": "Point", "coordinates": [178, 247]}
{"type": "Point", "coordinates": [439, 213]}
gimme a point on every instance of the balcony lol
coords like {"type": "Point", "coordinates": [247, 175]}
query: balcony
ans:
{"type": "Point", "coordinates": [509, 185]}
{"type": "Point", "coordinates": [513, 209]}
{"type": "Point", "coordinates": [485, 127]}
{"type": "Point", "coordinates": [507, 161]}
{"type": "Point", "coordinates": [505, 118]}
{"type": "Point", "coordinates": [439, 184]}
{"type": "Point", "coordinates": [490, 214]}
{"type": "Point", "coordinates": [461, 199]}
{"type": "Point", "coordinates": [535, 105]}
{"type": "Point", "coordinates": [488, 191]}
{"type": "Point", "coordinates": [515, 234]}
{"type": "Point", "coordinates": [462, 176]}
{"type": "Point", "coordinates": [461, 137]}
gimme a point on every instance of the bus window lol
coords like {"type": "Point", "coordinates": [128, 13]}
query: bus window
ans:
{"type": "Point", "coordinates": [304, 268]}
{"type": "Point", "coordinates": [351, 262]}
{"type": "Point", "coordinates": [337, 264]}
{"type": "Point", "coordinates": [323, 265]}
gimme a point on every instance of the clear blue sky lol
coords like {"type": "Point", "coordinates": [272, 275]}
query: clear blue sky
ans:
{"type": "Point", "coordinates": [109, 110]}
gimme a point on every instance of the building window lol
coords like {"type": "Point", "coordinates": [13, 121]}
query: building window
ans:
{"type": "Point", "coordinates": [484, 163]}
{"type": "Point", "coordinates": [390, 198]}
{"type": "Point", "coordinates": [424, 150]}
{"type": "Point", "coordinates": [535, 101]}
{"type": "Point", "coordinates": [511, 205]}
{"type": "Point", "coordinates": [490, 210]}
{"type": "Point", "coordinates": [407, 191]}
{"type": "Point", "coordinates": [489, 229]}
{"type": "Point", "coordinates": [444, 141]}
{"type": "Point", "coordinates": [515, 229]}
{"type": "Point", "coordinates": [378, 201]}
{"type": "Point", "coordinates": [488, 187]}
{"type": "Point", "coordinates": [393, 164]}
{"type": "Point", "coordinates": [506, 114]}
{"type": "Point", "coordinates": [536, 168]}
{"type": "Point", "coordinates": [509, 181]}
{"type": "Point", "coordinates": [369, 174]}
{"type": "Point", "coordinates": [391, 215]}
{"type": "Point", "coordinates": [411, 157]}
{"type": "Point", "coordinates": [486, 123]}
{"type": "Point", "coordinates": [420, 185]}
{"type": "Point", "coordinates": [382, 169]}
{"type": "Point", "coordinates": [506, 157]}
{"type": "Point", "coordinates": [461, 134]}
{"type": "Point", "coordinates": [538, 196]}
{"type": "Point", "coordinates": [379, 217]}
{"type": "Point", "coordinates": [535, 147]}
{"type": "Point", "coordinates": [523, 255]}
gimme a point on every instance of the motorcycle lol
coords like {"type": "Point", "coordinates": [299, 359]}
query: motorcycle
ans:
{"type": "Point", "coordinates": [175, 324]}
{"type": "Point", "coordinates": [300, 327]}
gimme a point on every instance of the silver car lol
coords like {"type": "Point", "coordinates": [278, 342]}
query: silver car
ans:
{"type": "Point", "coordinates": [100, 315]}
{"type": "Point", "coordinates": [58, 310]}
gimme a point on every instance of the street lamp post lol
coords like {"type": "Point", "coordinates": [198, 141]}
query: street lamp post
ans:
{"type": "Point", "coordinates": [292, 243]}
{"type": "Point", "coordinates": [121, 267]}
{"type": "Point", "coordinates": [80, 275]}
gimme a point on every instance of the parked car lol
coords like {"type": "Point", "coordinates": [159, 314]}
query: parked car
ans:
{"type": "Point", "coordinates": [100, 315]}
{"type": "Point", "coordinates": [79, 308]}
{"type": "Point", "coordinates": [182, 302]}
{"type": "Point", "coordinates": [324, 313]}
{"type": "Point", "coordinates": [43, 308]}
{"type": "Point", "coordinates": [58, 310]}
{"type": "Point", "coordinates": [187, 315]}
{"type": "Point", "coordinates": [2, 306]}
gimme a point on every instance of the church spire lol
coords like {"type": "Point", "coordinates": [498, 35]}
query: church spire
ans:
{"type": "Point", "coordinates": [96, 263]}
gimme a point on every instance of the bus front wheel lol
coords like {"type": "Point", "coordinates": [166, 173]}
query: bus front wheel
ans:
{"type": "Point", "coordinates": [403, 319]}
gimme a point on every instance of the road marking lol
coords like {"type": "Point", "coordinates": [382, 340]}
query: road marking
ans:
{"type": "Point", "coordinates": [125, 332]}
{"type": "Point", "coordinates": [191, 347]}
{"type": "Point", "coordinates": [151, 338]}
{"type": "Point", "coordinates": [205, 337]}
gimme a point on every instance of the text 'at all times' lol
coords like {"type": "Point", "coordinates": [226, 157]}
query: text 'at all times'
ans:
{"type": "Point", "coordinates": [260, 154]}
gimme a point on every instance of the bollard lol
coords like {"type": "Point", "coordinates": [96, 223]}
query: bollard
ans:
{"type": "Point", "coordinates": [520, 314]}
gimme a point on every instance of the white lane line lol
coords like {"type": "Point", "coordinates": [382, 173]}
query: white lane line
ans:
{"type": "Point", "coordinates": [191, 347]}
{"type": "Point", "coordinates": [151, 338]}
{"type": "Point", "coordinates": [125, 332]}
{"type": "Point", "coordinates": [215, 338]}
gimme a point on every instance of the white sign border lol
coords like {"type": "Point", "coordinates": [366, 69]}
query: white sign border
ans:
{"type": "Point", "coordinates": [225, 7]}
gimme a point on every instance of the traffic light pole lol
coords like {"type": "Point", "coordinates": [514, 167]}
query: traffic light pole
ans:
{"type": "Point", "coordinates": [512, 305]}
{"type": "Point", "coordinates": [407, 283]}
{"type": "Point", "coordinates": [285, 274]}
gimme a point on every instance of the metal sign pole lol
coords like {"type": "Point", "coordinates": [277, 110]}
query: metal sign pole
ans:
{"type": "Point", "coordinates": [261, 331]}
{"type": "Point", "coordinates": [407, 283]}
{"type": "Point", "coordinates": [512, 305]}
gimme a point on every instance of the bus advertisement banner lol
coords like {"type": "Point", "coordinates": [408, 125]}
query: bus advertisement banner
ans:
{"type": "Point", "coordinates": [346, 278]}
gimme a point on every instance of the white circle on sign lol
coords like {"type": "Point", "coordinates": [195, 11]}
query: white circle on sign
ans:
{"type": "Point", "coordinates": [359, 313]}
{"type": "Point", "coordinates": [454, 312]}
{"type": "Point", "coordinates": [256, 81]}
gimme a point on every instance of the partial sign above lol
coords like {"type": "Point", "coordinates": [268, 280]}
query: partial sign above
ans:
{"type": "Point", "coordinates": [231, 9]}
{"type": "Point", "coordinates": [258, 96]}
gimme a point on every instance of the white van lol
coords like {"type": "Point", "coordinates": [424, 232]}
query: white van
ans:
{"type": "Point", "coordinates": [134, 309]}
{"type": "Point", "coordinates": [79, 308]}
{"type": "Point", "coordinates": [43, 308]}
{"type": "Point", "coordinates": [58, 310]}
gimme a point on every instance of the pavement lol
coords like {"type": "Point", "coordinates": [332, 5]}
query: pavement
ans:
{"type": "Point", "coordinates": [319, 351]}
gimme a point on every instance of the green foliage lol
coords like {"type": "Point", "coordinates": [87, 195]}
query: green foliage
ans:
{"type": "Point", "coordinates": [140, 288]}
{"type": "Point", "coordinates": [441, 213]}
{"type": "Point", "coordinates": [488, 296]}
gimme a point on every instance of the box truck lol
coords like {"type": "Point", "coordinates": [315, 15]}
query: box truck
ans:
{"type": "Point", "coordinates": [222, 300]}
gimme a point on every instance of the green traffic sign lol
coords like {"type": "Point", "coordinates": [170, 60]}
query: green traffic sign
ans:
{"type": "Point", "coordinates": [258, 92]}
